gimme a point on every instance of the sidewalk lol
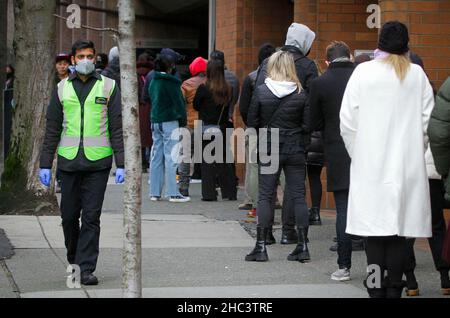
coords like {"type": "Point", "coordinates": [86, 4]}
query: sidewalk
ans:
{"type": "Point", "coordinates": [188, 250]}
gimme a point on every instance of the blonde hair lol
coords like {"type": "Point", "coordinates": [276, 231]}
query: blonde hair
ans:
{"type": "Point", "coordinates": [400, 63]}
{"type": "Point", "coordinates": [281, 68]}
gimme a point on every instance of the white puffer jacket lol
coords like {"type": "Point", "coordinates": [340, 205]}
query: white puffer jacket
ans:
{"type": "Point", "coordinates": [431, 169]}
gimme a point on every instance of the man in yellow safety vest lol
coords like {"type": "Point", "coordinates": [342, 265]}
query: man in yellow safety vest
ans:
{"type": "Point", "coordinates": [84, 127]}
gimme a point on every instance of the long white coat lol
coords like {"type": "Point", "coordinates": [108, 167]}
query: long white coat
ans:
{"type": "Point", "coordinates": [384, 126]}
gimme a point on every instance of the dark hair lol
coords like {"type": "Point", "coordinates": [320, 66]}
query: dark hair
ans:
{"type": "Point", "coordinates": [163, 63]}
{"type": "Point", "coordinates": [337, 49]}
{"type": "Point", "coordinates": [82, 44]}
{"type": "Point", "coordinates": [13, 70]}
{"type": "Point", "coordinates": [216, 83]}
{"type": "Point", "coordinates": [217, 55]}
{"type": "Point", "coordinates": [265, 51]}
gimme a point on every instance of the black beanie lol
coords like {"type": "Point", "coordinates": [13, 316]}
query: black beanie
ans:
{"type": "Point", "coordinates": [394, 38]}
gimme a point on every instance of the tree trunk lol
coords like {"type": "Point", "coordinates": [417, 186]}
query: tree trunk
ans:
{"type": "Point", "coordinates": [3, 59]}
{"type": "Point", "coordinates": [132, 257]}
{"type": "Point", "coordinates": [34, 43]}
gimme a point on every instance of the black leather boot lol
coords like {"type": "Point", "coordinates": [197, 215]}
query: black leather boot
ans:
{"type": "Point", "coordinates": [301, 252]}
{"type": "Point", "coordinates": [288, 236]}
{"type": "Point", "coordinates": [394, 290]}
{"type": "Point", "coordinates": [270, 239]}
{"type": "Point", "coordinates": [259, 253]}
{"type": "Point", "coordinates": [314, 216]}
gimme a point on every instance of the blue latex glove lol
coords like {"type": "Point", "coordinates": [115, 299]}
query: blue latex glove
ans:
{"type": "Point", "coordinates": [45, 176]}
{"type": "Point", "coordinates": [120, 176]}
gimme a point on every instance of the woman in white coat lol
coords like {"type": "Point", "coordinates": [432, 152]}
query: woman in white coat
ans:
{"type": "Point", "coordinates": [384, 118]}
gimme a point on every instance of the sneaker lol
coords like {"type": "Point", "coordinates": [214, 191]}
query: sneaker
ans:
{"type": "Point", "coordinates": [245, 206]}
{"type": "Point", "coordinates": [341, 275]}
{"type": "Point", "coordinates": [251, 213]}
{"type": "Point", "coordinates": [179, 199]}
{"type": "Point", "coordinates": [185, 193]}
{"type": "Point", "coordinates": [196, 181]}
{"type": "Point", "coordinates": [155, 199]}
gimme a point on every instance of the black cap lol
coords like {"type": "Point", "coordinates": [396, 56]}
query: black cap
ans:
{"type": "Point", "coordinates": [394, 38]}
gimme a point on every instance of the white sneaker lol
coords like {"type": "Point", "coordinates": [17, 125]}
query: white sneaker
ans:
{"type": "Point", "coordinates": [341, 275]}
{"type": "Point", "coordinates": [196, 181]}
{"type": "Point", "coordinates": [155, 199]}
{"type": "Point", "coordinates": [179, 199]}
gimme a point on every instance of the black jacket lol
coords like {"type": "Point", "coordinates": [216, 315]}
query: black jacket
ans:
{"type": "Point", "coordinates": [113, 70]}
{"type": "Point", "coordinates": [292, 119]}
{"type": "Point", "coordinates": [55, 117]}
{"type": "Point", "coordinates": [315, 149]}
{"type": "Point", "coordinates": [306, 68]}
{"type": "Point", "coordinates": [326, 95]}
{"type": "Point", "coordinates": [246, 94]}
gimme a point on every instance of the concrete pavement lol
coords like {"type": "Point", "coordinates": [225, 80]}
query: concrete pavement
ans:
{"type": "Point", "coordinates": [189, 250]}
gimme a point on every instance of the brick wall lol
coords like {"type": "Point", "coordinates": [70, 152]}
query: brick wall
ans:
{"type": "Point", "coordinates": [242, 26]}
{"type": "Point", "coordinates": [343, 20]}
{"type": "Point", "coordinates": [429, 27]}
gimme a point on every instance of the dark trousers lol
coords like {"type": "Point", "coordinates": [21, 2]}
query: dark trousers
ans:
{"type": "Point", "coordinates": [82, 191]}
{"type": "Point", "coordinates": [343, 239]}
{"type": "Point", "coordinates": [389, 254]}
{"type": "Point", "coordinates": [315, 184]}
{"type": "Point", "coordinates": [223, 172]}
{"type": "Point", "coordinates": [294, 171]}
{"type": "Point", "coordinates": [436, 242]}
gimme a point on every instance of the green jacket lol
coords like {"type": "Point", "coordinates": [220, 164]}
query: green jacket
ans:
{"type": "Point", "coordinates": [167, 99]}
{"type": "Point", "coordinates": [439, 133]}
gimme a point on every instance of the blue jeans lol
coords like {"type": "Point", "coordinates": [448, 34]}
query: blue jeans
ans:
{"type": "Point", "coordinates": [343, 239]}
{"type": "Point", "coordinates": [163, 168]}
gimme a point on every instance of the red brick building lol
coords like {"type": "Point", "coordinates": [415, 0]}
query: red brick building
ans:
{"type": "Point", "coordinates": [243, 25]}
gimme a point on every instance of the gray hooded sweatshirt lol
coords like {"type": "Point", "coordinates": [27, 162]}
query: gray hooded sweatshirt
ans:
{"type": "Point", "coordinates": [300, 36]}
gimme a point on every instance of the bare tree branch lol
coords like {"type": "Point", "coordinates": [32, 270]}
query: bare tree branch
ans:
{"type": "Point", "coordinates": [91, 28]}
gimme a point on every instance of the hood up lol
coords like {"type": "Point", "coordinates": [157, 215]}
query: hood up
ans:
{"type": "Point", "coordinates": [300, 36]}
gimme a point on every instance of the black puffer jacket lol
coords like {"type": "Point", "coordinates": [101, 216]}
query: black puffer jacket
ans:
{"type": "Point", "coordinates": [292, 119]}
{"type": "Point", "coordinates": [315, 149]}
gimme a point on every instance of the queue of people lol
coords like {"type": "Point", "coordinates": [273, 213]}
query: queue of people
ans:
{"type": "Point", "coordinates": [367, 121]}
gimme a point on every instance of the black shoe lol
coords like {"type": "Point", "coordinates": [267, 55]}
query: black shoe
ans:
{"type": "Point", "coordinates": [445, 283]}
{"type": "Point", "coordinates": [209, 200]}
{"type": "Point", "coordinates": [259, 253]}
{"type": "Point", "coordinates": [88, 279]}
{"type": "Point", "coordinates": [270, 239]}
{"type": "Point", "coordinates": [314, 216]}
{"type": "Point", "coordinates": [288, 236]}
{"type": "Point", "coordinates": [334, 248]}
{"type": "Point", "coordinates": [395, 290]}
{"type": "Point", "coordinates": [301, 252]}
{"type": "Point", "coordinates": [184, 192]}
{"type": "Point", "coordinates": [335, 239]}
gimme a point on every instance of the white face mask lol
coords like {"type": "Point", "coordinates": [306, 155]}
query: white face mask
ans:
{"type": "Point", "coordinates": [85, 67]}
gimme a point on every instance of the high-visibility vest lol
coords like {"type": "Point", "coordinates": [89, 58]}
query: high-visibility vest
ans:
{"type": "Point", "coordinates": [90, 125]}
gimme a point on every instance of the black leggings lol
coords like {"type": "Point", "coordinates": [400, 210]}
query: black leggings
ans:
{"type": "Point", "coordinates": [315, 184]}
{"type": "Point", "coordinates": [389, 254]}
